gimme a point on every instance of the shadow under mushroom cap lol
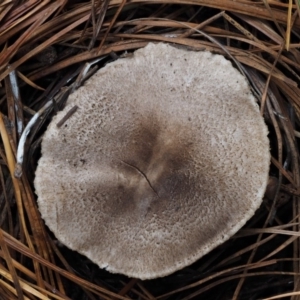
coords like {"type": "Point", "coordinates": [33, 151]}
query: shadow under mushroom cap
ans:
{"type": "Point", "coordinates": [165, 158]}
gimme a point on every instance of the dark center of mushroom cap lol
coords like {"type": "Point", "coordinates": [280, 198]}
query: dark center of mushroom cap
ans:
{"type": "Point", "coordinates": [155, 169]}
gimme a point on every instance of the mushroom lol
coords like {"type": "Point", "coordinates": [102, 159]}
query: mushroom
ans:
{"type": "Point", "coordinates": [165, 158]}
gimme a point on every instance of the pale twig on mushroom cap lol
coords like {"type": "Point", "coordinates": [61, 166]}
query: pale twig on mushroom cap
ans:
{"type": "Point", "coordinates": [165, 158]}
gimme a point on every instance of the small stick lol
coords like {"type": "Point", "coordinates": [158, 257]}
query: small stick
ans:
{"type": "Point", "coordinates": [67, 116]}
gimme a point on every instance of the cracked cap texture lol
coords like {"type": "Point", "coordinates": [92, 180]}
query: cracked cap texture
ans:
{"type": "Point", "coordinates": [165, 158]}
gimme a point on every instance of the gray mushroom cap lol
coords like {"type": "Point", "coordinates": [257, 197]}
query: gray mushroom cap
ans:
{"type": "Point", "coordinates": [165, 158]}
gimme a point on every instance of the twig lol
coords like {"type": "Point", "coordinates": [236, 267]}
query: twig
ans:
{"type": "Point", "coordinates": [67, 116]}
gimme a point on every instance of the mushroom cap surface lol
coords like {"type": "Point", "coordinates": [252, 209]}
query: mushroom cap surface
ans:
{"type": "Point", "coordinates": [166, 157]}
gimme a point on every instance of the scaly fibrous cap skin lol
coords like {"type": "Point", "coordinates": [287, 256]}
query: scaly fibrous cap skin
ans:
{"type": "Point", "coordinates": [165, 158]}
